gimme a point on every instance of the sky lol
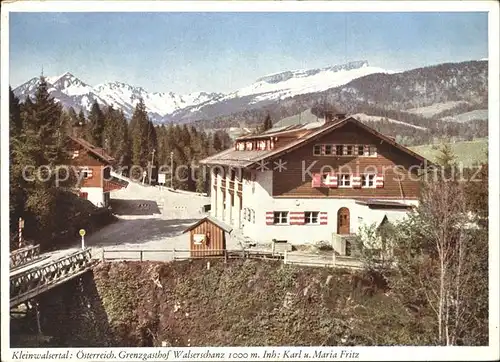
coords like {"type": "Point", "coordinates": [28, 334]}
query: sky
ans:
{"type": "Point", "coordinates": [222, 52]}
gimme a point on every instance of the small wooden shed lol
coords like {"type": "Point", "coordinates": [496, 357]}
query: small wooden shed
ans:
{"type": "Point", "coordinates": [207, 237]}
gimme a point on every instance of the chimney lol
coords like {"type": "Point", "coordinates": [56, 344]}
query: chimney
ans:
{"type": "Point", "coordinates": [334, 117]}
{"type": "Point", "coordinates": [77, 130]}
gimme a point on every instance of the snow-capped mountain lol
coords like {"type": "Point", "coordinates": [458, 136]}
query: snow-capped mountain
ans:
{"type": "Point", "coordinates": [73, 92]}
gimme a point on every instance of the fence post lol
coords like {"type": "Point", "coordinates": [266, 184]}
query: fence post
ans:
{"type": "Point", "coordinates": [284, 257]}
{"type": "Point", "coordinates": [225, 256]}
{"type": "Point", "coordinates": [102, 254]}
{"type": "Point", "coordinates": [173, 254]}
{"type": "Point", "coordinates": [333, 257]}
{"type": "Point", "coordinates": [141, 255]}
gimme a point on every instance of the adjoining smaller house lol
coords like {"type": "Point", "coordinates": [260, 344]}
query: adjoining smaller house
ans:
{"type": "Point", "coordinates": [208, 237]}
{"type": "Point", "coordinates": [94, 167]}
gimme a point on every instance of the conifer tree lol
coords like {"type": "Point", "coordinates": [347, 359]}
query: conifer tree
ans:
{"type": "Point", "coordinates": [96, 125]}
{"type": "Point", "coordinates": [139, 136]}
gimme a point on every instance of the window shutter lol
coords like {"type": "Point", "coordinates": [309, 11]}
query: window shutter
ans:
{"type": "Point", "coordinates": [323, 218]}
{"type": "Point", "coordinates": [269, 218]}
{"type": "Point", "coordinates": [333, 180]}
{"type": "Point", "coordinates": [366, 150]}
{"type": "Point", "coordinates": [322, 149]}
{"type": "Point", "coordinates": [356, 181]}
{"type": "Point", "coordinates": [379, 182]}
{"type": "Point", "coordinates": [297, 218]}
{"type": "Point", "coordinates": [316, 180]}
{"type": "Point", "coordinates": [334, 150]}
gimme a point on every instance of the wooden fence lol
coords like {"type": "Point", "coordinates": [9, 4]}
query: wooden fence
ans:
{"type": "Point", "coordinates": [323, 260]}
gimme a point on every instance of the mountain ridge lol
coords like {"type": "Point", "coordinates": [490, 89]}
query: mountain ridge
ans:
{"type": "Point", "coordinates": [71, 91]}
{"type": "Point", "coordinates": [347, 85]}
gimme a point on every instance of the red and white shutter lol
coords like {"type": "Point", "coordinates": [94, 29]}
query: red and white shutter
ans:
{"type": "Point", "coordinates": [356, 181]}
{"type": "Point", "coordinates": [322, 149]}
{"type": "Point", "coordinates": [269, 218]}
{"type": "Point", "coordinates": [316, 180]}
{"type": "Point", "coordinates": [323, 218]}
{"type": "Point", "coordinates": [334, 150]}
{"type": "Point", "coordinates": [379, 181]}
{"type": "Point", "coordinates": [297, 218]}
{"type": "Point", "coordinates": [332, 180]}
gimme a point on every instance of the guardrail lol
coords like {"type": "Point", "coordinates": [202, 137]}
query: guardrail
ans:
{"type": "Point", "coordinates": [28, 284]}
{"type": "Point", "coordinates": [183, 254]}
{"type": "Point", "coordinates": [23, 256]}
{"type": "Point", "coordinates": [287, 257]}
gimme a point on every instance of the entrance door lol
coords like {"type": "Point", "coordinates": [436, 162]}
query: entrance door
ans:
{"type": "Point", "coordinates": [343, 221]}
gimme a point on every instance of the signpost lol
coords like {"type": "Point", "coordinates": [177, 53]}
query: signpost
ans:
{"type": "Point", "coordinates": [161, 179]}
{"type": "Point", "coordinates": [82, 234]}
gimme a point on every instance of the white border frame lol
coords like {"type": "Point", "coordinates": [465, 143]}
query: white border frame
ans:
{"type": "Point", "coordinates": [373, 353]}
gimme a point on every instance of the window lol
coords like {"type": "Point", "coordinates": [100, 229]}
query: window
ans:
{"type": "Point", "coordinates": [328, 149]}
{"type": "Point", "coordinates": [281, 217]}
{"type": "Point", "coordinates": [86, 172]}
{"type": "Point", "coordinates": [345, 180]}
{"type": "Point", "coordinates": [317, 150]}
{"type": "Point", "coordinates": [372, 151]}
{"type": "Point", "coordinates": [361, 150]}
{"type": "Point", "coordinates": [253, 216]}
{"type": "Point", "coordinates": [76, 153]}
{"type": "Point", "coordinates": [311, 217]}
{"type": "Point", "coordinates": [368, 181]}
{"type": "Point", "coordinates": [349, 150]}
{"type": "Point", "coordinates": [339, 149]}
{"type": "Point", "coordinates": [245, 213]}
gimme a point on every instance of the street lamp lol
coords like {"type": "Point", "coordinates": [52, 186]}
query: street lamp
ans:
{"type": "Point", "coordinates": [171, 169]}
{"type": "Point", "coordinates": [152, 165]}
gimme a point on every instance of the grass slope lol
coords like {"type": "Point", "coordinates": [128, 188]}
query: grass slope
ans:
{"type": "Point", "coordinates": [249, 302]}
{"type": "Point", "coordinates": [466, 152]}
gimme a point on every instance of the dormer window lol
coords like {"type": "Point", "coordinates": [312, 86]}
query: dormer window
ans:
{"type": "Point", "coordinates": [76, 153]}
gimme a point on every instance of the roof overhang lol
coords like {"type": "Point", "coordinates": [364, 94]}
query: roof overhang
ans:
{"type": "Point", "coordinates": [373, 204]}
{"type": "Point", "coordinates": [216, 222]}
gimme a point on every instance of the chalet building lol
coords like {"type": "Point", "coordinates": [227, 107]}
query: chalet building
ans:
{"type": "Point", "coordinates": [94, 166]}
{"type": "Point", "coordinates": [316, 182]}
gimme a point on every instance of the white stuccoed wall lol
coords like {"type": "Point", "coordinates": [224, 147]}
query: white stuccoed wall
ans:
{"type": "Point", "coordinates": [95, 195]}
{"type": "Point", "coordinates": [257, 196]}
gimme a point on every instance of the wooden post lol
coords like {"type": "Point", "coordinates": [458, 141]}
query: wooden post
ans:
{"type": "Point", "coordinates": [173, 254]}
{"type": "Point", "coordinates": [140, 255]}
{"type": "Point", "coordinates": [102, 254]}
{"type": "Point", "coordinates": [284, 257]}
{"type": "Point", "coordinates": [37, 310]}
{"type": "Point", "coordinates": [333, 257]}
{"type": "Point", "coordinates": [21, 232]}
{"type": "Point", "coordinates": [225, 256]}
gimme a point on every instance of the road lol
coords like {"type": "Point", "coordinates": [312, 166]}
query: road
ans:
{"type": "Point", "coordinates": [148, 219]}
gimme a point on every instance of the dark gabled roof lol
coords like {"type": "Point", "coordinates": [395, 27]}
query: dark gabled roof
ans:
{"type": "Point", "coordinates": [96, 151]}
{"type": "Point", "coordinates": [244, 159]}
{"type": "Point", "coordinates": [214, 221]}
